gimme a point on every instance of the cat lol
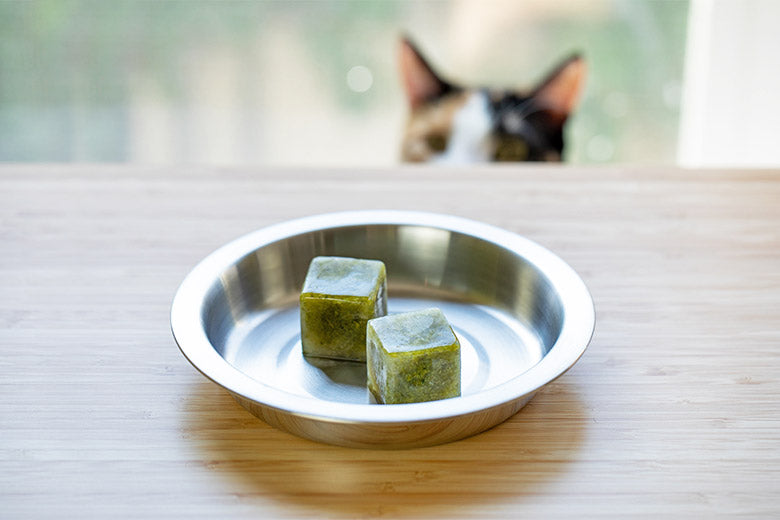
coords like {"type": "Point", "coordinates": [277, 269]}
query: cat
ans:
{"type": "Point", "coordinates": [454, 124]}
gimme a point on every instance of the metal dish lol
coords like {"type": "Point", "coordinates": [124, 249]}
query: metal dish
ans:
{"type": "Point", "coordinates": [523, 317]}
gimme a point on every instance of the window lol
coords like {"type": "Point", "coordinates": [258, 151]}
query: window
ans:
{"type": "Point", "coordinates": [315, 83]}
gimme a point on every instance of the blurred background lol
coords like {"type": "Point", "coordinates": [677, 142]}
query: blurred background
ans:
{"type": "Point", "coordinates": [315, 82]}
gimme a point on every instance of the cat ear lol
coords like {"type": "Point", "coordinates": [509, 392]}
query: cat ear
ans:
{"type": "Point", "coordinates": [561, 89]}
{"type": "Point", "coordinates": [420, 81]}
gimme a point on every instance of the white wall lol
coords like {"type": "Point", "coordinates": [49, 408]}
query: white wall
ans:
{"type": "Point", "coordinates": [731, 95]}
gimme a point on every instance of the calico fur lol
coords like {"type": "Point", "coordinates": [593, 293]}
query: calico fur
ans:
{"type": "Point", "coordinates": [456, 124]}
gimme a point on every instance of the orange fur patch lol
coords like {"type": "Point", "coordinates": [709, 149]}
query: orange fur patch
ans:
{"type": "Point", "coordinates": [430, 119]}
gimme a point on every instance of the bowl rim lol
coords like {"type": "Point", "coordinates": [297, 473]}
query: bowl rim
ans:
{"type": "Point", "coordinates": [189, 328]}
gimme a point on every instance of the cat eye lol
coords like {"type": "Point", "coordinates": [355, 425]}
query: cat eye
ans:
{"type": "Point", "coordinates": [511, 149]}
{"type": "Point", "coordinates": [436, 142]}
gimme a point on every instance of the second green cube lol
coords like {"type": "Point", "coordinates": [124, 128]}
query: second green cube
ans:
{"type": "Point", "coordinates": [413, 357]}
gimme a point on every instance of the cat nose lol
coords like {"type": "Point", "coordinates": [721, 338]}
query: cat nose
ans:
{"type": "Point", "coordinates": [512, 122]}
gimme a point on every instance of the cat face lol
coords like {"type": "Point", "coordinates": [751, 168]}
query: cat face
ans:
{"type": "Point", "coordinates": [449, 123]}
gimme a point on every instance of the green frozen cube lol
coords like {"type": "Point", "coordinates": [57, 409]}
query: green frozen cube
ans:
{"type": "Point", "coordinates": [339, 296]}
{"type": "Point", "coordinates": [412, 357]}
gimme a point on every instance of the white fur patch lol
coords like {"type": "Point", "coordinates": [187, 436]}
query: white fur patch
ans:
{"type": "Point", "coordinates": [471, 127]}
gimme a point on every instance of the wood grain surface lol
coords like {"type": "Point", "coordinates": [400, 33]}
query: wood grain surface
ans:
{"type": "Point", "coordinates": [673, 411]}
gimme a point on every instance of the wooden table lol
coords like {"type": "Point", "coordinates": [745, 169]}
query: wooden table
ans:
{"type": "Point", "coordinates": [674, 409]}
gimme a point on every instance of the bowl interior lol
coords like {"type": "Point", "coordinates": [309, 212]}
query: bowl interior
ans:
{"type": "Point", "coordinates": [503, 308]}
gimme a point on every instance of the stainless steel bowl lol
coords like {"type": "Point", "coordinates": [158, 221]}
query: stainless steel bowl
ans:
{"type": "Point", "coordinates": [523, 317]}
